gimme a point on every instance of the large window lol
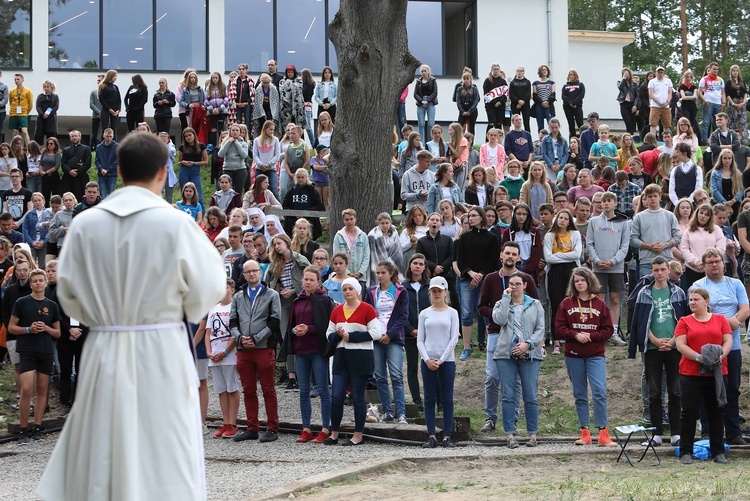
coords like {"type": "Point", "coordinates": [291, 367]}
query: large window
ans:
{"type": "Point", "coordinates": [15, 34]}
{"type": "Point", "coordinates": [245, 42]}
{"type": "Point", "coordinates": [139, 35]}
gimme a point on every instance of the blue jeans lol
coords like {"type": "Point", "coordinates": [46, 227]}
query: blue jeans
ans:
{"type": "Point", "coordinates": [341, 382]}
{"type": "Point", "coordinates": [309, 126]}
{"type": "Point", "coordinates": [446, 374]}
{"type": "Point", "coordinates": [392, 355]}
{"type": "Point", "coordinates": [285, 183]}
{"type": "Point", "coordinates": [34, 184]}
{"type": "Point", "coordinates": [469, 302]}
{"type": "Point", "coordinates": [244, 116]}
{"type": "Point", "coordinates": [589, 371]}
{"type": "Point", "coordinates": [492, 382]}
{"type": "Point", "coordinates": [542, 113]}
{"type": "Point", "coordinates": [510, 371]}
{"type": "Point", "coordinates": [401, 117]}
{"type": "Point", "coordinates": [428, 110]}
{"type": "Point", "coordinates": [107, 185]}
{"type": "Point", "coordinates": [191, 174]}
{"type": "Point", "coordinates": [709, 113]}
{"type": "Point", "coordinates": [307, 364]}
{"type": "Point", "coordinates": [644, 269]}
{"type": "Point", "coordinates": [273, 180]}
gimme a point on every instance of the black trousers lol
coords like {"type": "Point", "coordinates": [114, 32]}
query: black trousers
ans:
{"type": "Point", "coordinates": [557, 284]}
{"type": "Point", "coordinates": [67, 352]}
{"type": "Point", "coordinates": [696, 391]}
{"type": "Point", "coordinates": [574, 116]}
{"type": "Point", "coordinates": [524, 111]}
{"type": "Point", "coordinates": [470, 120]}
{"type": "Point", "coordinates": [628, 116]}
{"type": "Point", "coordinates": [656, 361]}
{"type": "Point", "coordinates": [134, 118]}
{"type": "Point", "coordinates": [95, 123]}
{"type": "Point", "coordinates": [495, 115]}
{"type": "Point", "coordinates": [162, 124]}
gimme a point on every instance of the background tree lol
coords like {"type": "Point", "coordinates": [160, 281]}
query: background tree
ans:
{"type": "Point", "coordinates": [374, 68]}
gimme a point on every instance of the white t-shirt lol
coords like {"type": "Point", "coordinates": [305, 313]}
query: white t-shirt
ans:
{"type": "Point", "coordinates": [711, 89]}
{"type": "Point", "coordinates": [217, 325]}
{"type": "Point", "coordinates": [492, 155]}
{"type": "Point", "coordinates": [385, 304]}
{"type": "Point", "coordinates": [661, 90]}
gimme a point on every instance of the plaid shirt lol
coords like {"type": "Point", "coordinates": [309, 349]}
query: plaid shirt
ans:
{"type": "Point", "coordinates": [625, 197]}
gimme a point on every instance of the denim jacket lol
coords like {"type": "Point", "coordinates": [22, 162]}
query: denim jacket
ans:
{"type": "Point", "coordinates": [435, 196]}
{"type": "Point", "coordinates": [548, 151]}
{"type": "Point", "coordinates": [716, 195]}
{"type": "Point", "coordinates": [32, 224]}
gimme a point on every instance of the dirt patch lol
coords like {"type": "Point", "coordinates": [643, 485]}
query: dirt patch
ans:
{"type": "Point", "coordinates": [591, 477]}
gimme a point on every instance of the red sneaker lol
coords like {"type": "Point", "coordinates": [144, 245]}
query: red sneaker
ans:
{"type": "Point", "coordinates": [320, 437]}
{"type": "Point", "coordinates": [305, 437]}
{"type": "Point", "coordinates": [230, 431]}
{"type": "Point", "coordinates": [604, 439]}
{"type": "Point", "coordinates": [221, 431]}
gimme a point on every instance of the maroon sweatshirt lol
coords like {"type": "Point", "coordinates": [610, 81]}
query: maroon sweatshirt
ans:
{"type": "Point", "coordinates": [598, 324]}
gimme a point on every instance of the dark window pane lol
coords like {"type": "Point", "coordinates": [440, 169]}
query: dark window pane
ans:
{"type": "Point", "coordinates": [248, 34]}
{"type": "Point", "coordinates": [333, 62]}
{"type": "Point", "coordinates": [15, 31]}
{"type": "Point", "coordinates": [128, 34]}
{"type": "Point", "coordinates": [73, 34]}
{"type": "Point", "coordinates": [424, 26]}
{"type": "Point", "coordinates": [180, 35]}
{"type": "Point", "coordinates": [301, 34]}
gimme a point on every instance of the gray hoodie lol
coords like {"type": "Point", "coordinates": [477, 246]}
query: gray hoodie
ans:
{"type": "Point", "coordinates": [60, 221]}
{"type": "Point", "coordinates": [412, 183]}
{"type": "Point", "coordinates": [651, 227]}
{"type": "Point", "coordinates": [3, 97]}
{"type": "Point", "coordinates": [608, 240]}
{"type": "Point", "coordinates": [234, 154]}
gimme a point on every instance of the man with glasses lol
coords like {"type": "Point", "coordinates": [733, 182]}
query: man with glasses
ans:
{"type": "Point", "coordinates": [560, 201]}
{"type": "Point", "coordinates": [16, 200]}
{"type": "Point", "coordinates": [728, 298]}
{"type": "Point", "coordinates": [589, 137]}
{"type": "Point", "coordinates": [254, 321]}
{"type": "Point", "coordinates": [699, 198]}
{"type": "Point", "coordinates": [250, 253]}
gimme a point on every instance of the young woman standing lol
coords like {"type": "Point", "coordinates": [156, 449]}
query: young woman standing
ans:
{"type": "Point", "coordinates": [437, 335]}
{"type": "Point", "coordinates": [415, 227]}
{"type": "Point", "coordinates": [135, 102]}
{"type": "Point", "coordinates": [529, 239]}
{"type": "Point", "coordinates": [191, 156]}
{"type": "Point", "coordinates": [459, 154]}
{"type": "Point", "coordinates": [478, 191]}
{"type": "Point", "coordinates": [583, 321]}
{"type": "Point", "coordinates": [425, 94]}
{"type": "Point", "coordinates": [302, 241]}
{"type": "Point", "coordinates": [443, 189]}
{"type": "Point", "coordinates": [385, 245]}
{"type": "Point", "coordinates": [627, 97]}
{"type": "Point", "coordinates": [47, 104]}
{"type": "Point", "coordinates": [543, 95]}
{"type": "Point", "coordinates": [416, 284]}
{"type": "Point", "coordinates": [109, 98]}
{"type": "Point", "coordinates": [352, 329]}
{"type": "Point", "coordinates": [266, 154]}
{"type": "Point", "coordinates": [536, 190]}
{"type": "Point", "coordinates": [726, 182]}
{"type": "Point", "coordinates": [698, 390]}
{"type": "Point", "coordinates": [467, 100]}
{"type": "Point", "coordinates": [335, 280]}
{"type": "Point", "coordinates": [701, 234]}
{"type": "Point", "coordinates": [736, 91]}
{"type": "Point", "coordinates": [306, 340]}
{"type": "Point", "coordinates": [326, 92]}
{"type": "Point", "coordinates": [234, 151]}
{"type": "Point", "coordinates": [573, 93]}
{"type": "Point", "coordinates": [495, 96]}
{"type": "Point", "coordinates": [562, 252]}
{"type": "Point", "coordinates": [353, 242]}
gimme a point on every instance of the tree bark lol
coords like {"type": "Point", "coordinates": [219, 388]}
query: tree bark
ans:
{"type": "Point", "coordinates": [374, 68]}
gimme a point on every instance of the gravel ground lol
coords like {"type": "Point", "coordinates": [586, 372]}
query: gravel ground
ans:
{"type": "Point", "coordinates": [272, 465]}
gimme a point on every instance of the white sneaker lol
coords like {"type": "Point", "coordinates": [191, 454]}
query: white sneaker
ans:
{"type": "Point", "coordinates": [402, 420]}
{"type": "Point", "coordinates": [656, 441]}
{"type": "Point", "coordinates": [616, 340]}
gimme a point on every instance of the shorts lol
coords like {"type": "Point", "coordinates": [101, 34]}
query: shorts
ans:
{"type": "Point", "coordinates": [18, 123]}
{"type": "Point", "coordinates": [53, 249]}
{"type": "Point", "coordinates": [202, 365]}
{"type": "Point", "coordinates": [225, 379]}
{"type": "Point", "coordinates": [35, 361]}
{"type": "Point", "coordinates": [660, 114]}
{"type": "Point", "coordinates": [12, 353]}
{"type": "Point", "coordinates": [611, 282]}
{"type": "Point", "coordinates": [322, 184]}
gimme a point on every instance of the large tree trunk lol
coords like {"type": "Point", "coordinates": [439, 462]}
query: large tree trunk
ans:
{"type": "Point", "coordinates": [374, 67]}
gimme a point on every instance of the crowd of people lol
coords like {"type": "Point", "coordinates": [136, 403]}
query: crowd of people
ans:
{"type": "Point", "coordinates": [537, 243]}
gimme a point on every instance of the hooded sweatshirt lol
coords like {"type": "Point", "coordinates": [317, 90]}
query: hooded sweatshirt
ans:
{"type": "Point", "coordinates": [513, 185]}
{"type": "Point", "coordinates": [412, 183]}
{"type": "Point", "coordinates": [608, 240]}
{"type": "Point", "coordinates": [598, 324]}
{"type": "Point", "coordinates": [226, 200]}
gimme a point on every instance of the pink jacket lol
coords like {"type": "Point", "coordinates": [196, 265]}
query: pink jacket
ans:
{"type": "Point", "coordinates": [500, 168]}
{"type": "Point", "coordinates": [695, 243]}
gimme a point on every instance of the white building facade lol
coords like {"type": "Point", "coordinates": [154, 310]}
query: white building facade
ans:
{"type": "Point", "coordinates": [71, 42]}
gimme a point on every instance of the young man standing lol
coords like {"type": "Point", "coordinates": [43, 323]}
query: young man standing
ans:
{"type": "Point", "coordinates": [546, 215]}
{"type": "Point", "coordinates": [21, 103]}
{"type": "Point", "coordinates": [96, 113]}
{"type": "Point", "coordinates": [624, 192]}
{"type": "Point", "coordinates": [660, 95]}
{"type": "Point", "coordinates": [607, 245]}
{"type": "Point", "coordinates": [76, 160]}
{"type": "Point", "coordinates": [596, 204]}
{"type": "Point", "coordinates": [712, 92]}
{"type": "Point", "coordinates": [668, 146]}
{"type": "Point", "coordinates": [723, 138]}
{"type": "Point", "coordinates": [106, 163]}
{"type": "Point", "coordinates": [222, 362]}
{"type": "Point", "coordinates": [658, 308]}
{"type": "Point", "coordinates": [7, 231]}
{"type": "Point", "coordinates": [654, 231]}
{"type": "Point", "coordinates": [416, 182]}
{"type": "Point", "coordinates": [254, 321]}
{"type": "Point", "coordinates": [136, 331]}
{"type": "Point", "coordinates": [16, 200]}
{"type": "Point", "coordinates": [90, 198]}
{"type": "Point", "coordinates": [235, 250]}
{"type": "Point", "coordinates": [728, 298]}
{"type": "Point", "coordinates": [519, 145]}
{"type": "Point", "coordinates": [36, 323]}
{"type": "Point", "coordinates": [685, 178]}
{"type": "Point", "coordinates": [492, 291]}
{"type": "Point", "coordinates": [589, 137]}
{"type": "Point", "coordinates": [560, 200]}
{"type": "Point", "coordinates": [12, 293]}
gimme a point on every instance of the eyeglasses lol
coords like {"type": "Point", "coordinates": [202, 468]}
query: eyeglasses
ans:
{"type": "Point", "coordinates": [247, 272]}
{"type": "Point", "coordinates": [319, 259]}
{"type": "Point", "coordinates": [515, 284]}
{"type": "Point", "coordinates": [712, 263]}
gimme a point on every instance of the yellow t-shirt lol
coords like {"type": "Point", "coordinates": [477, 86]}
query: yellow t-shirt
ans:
{"type": "Point", "coordinates": [562, 243]}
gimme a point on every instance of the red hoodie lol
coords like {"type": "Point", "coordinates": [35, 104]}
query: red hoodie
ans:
{"type": "Point", "coordinates": [598, 324]}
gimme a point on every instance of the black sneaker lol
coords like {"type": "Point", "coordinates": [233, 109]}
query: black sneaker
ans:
{"type": "Point", "coordinates": [38, 433]}
{"type": "Point", "coordinates": [448, 443]}
{"type": "Point", "coordinates": [292, 384]}
{"type": "Point", "coordinates": [330, 441]}
{"type": "Point", "coordinates": [23, 438]}
{"type": "Point", "coordinates": [430, 444]}
{"type": "Point", "coordinates": [246, 435]}
{"type": "Point", "coordinates": [482, 347]}
{"type": "Point", "coordinates": [269, 436]}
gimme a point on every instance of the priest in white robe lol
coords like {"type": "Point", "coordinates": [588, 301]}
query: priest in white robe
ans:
{"type": "Point", "coordinates": [133, 269]}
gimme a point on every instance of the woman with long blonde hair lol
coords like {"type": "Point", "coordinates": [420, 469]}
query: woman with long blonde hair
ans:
{"type": "Point", "coordinates": [726, 182]}
{"type": "Point", "coordinates": [737, 95]}
{"type": "Point", "coordinates": [626, 151]}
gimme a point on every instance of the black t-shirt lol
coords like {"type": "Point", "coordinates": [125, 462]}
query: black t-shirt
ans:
{"type": "Point", "coordinates": [688, 104]}
{"type": "Point", "coordinates": [641, 181]}
{"type": "Point", "coordinates": [30, 310]}
{"type": "Point", "coordinates": [17, 202]}
{"type": "Point", "coordinates": [193, 157]}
